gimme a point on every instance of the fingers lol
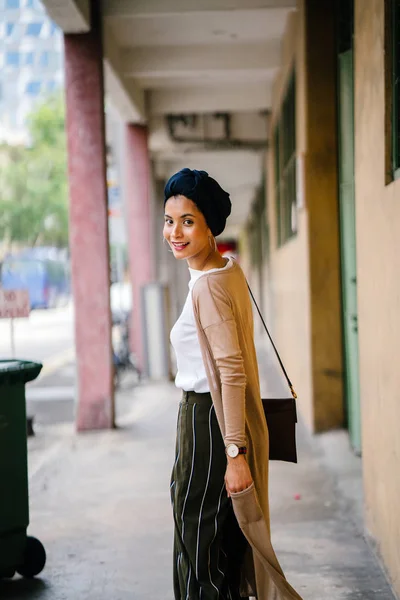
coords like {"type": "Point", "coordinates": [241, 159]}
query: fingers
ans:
{"type": "Point", "coordinates": [237, 488]}
{"type": "Point", "coordinates": [227, 489]}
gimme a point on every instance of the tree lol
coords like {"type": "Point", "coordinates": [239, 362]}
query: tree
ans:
{"type": "Point", "coordinates": [33, 181]}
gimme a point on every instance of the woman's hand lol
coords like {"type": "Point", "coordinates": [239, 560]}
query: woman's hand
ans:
{"type": "Point", "coordinates": [237, 476]}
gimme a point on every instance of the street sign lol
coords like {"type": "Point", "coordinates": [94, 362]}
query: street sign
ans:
{"type": "Point", "coordinates": [14, 304]}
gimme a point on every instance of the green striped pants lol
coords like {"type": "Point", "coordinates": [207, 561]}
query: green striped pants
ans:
{"type": "Point", "coordinates": [208, 543]}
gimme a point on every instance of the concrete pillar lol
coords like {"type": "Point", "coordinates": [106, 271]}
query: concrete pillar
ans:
{"type": "Point", "coordinates": [89, 225]}
{"type": "Point", "coordinates": [140, 243]}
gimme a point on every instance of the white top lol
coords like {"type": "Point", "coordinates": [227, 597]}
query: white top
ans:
{"type": "Point", "coordinates": [191, 375]}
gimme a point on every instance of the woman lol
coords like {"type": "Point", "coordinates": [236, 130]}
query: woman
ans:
{"type": "Point", "coordinates": [219, 486]}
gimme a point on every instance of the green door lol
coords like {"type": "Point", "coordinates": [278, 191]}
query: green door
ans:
{"type": "Point", "coordinates": [348, 245]}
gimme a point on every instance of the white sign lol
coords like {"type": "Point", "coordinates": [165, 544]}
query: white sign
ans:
{"type": "Point", "coordinates": [14, 304]}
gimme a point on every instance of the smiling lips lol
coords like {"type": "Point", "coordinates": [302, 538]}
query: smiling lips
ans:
{"type": "Point", "coordinates": [179, 246]}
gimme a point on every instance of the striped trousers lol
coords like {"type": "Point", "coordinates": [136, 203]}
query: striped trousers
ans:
{"type": "Point", "coordinates": [208, 544]}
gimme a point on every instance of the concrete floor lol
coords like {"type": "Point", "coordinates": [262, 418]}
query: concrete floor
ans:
{"type": "Point", "coordinates": [100, 504]}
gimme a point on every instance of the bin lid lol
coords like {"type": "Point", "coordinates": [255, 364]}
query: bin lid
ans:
{"type": "Point", "coordinates": [18, 371]}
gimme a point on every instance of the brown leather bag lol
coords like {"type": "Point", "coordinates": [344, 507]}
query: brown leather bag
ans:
{"type": "Point", "coordinates": [281, 414]}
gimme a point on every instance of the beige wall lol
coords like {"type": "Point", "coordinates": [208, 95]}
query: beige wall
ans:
{"type": "Point", "coordinates": [378, 269]}
{"type": "Point", "coordinates": [304, 287]}
{"type": "Point", "coordinates": [288, 292]}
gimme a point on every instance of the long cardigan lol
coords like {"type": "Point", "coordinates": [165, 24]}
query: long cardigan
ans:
{"type": "Point", "coordinates": [224, 320]}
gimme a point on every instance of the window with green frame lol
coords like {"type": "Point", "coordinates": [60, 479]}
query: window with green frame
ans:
{"type": "Point", "coordinates": [285, 166]}
{"type": "Point", "coordinates": [395, 88]}
{"type": "Point", "coordinates": [258, 230]}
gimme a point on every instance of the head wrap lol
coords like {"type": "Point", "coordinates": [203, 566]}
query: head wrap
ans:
{"type": "Point", "coordinates": [207, 194]}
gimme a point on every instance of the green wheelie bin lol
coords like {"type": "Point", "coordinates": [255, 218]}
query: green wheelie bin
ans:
{"type": "Point", "coordinates": [18, 552]}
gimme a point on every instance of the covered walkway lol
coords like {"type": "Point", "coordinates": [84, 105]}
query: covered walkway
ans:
{"type": "Point", "coordinates": [292, 106]}
{"type": "Point", "coordinates": [192, 84]}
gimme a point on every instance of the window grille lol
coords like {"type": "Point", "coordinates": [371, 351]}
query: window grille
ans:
{"type": "Point", "coordinates": [285, 166]}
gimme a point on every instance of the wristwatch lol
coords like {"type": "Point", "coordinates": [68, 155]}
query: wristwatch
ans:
{"type": "Point", "coordinates": [233, 451]}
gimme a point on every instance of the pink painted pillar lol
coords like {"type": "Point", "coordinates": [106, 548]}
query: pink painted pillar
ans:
{"type": "Point", "coordinates": [89, 225]}
{"type": "Point", "coordinates": [137, 186]}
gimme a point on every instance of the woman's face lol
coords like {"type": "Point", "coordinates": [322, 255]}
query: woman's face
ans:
{"type": "Point", "coordinates": [185, 228]}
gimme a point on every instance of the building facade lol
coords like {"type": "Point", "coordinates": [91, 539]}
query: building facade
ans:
{"type": "Point", "coordinates": [31, 63]}
{"type": "Point", "coordinates": [330, 279]}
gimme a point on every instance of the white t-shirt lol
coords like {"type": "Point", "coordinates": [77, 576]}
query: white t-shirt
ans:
{"type": "Point", "coordinates": [191, 375]}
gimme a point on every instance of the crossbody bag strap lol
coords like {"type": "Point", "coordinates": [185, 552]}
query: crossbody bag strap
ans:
{"type": "Point", "coordinates": [273, 345]}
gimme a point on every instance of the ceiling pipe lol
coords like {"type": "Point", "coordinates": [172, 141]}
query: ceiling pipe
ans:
{"type": "Point", "coordinates": [210, 143]}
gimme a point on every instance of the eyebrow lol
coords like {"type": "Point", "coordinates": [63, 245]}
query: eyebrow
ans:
{"type": "Point", "coordinates": [182, 216]}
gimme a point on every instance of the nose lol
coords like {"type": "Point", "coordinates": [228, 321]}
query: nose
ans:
{"type": "Point", "coordinates": [176, 231]}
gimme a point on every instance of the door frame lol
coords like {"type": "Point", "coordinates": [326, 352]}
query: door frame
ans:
{"type": "Point", "coordinates": [352, 405]}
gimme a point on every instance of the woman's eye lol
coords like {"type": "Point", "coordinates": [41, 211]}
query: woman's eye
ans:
{"type": "Point", "coordinates": [188, 222]}
{"type": "Point", "coordinates": [168, 221]}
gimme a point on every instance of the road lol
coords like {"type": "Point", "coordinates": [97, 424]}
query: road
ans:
{"type": "Point", "coordinates": [47, 337]}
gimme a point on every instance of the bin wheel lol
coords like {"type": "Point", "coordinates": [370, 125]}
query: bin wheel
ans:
{"type": "Point", "coordinates": [34, 558]}
{"type": "Point", "coordinates": [7, 574]}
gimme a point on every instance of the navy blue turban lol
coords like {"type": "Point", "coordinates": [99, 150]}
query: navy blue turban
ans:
{"type": "Point", "coordinates": [205, 192]}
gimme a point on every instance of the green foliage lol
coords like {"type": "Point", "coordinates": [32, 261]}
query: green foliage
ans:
{"type": "Point", "coordinates": [33, 181]}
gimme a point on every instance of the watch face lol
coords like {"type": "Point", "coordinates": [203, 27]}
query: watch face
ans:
{"type": "Point", "coordinates": [232, 450]}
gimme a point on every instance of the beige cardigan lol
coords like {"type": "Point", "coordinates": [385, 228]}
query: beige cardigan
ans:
{"type": "Point", "coordinates": [224, 318]}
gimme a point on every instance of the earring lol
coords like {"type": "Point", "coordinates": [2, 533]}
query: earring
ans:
{"type": "Point", "coordinates": [210, 238]}
{"type": "Point", "coordinates": [169, 249]}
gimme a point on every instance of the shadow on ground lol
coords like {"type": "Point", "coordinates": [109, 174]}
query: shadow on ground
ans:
{"type": "Point", "coordinates": [23, 588]}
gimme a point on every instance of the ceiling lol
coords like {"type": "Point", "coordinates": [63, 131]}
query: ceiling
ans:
{"type": "Point", "coordinates": [212, 27]}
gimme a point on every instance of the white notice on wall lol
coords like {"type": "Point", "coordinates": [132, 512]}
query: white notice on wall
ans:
{"type": "Point", "coordinates": [14, 304]}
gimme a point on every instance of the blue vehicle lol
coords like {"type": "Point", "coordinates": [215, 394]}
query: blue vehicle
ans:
{"type": "Point", "coordinates": [46, 279]}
